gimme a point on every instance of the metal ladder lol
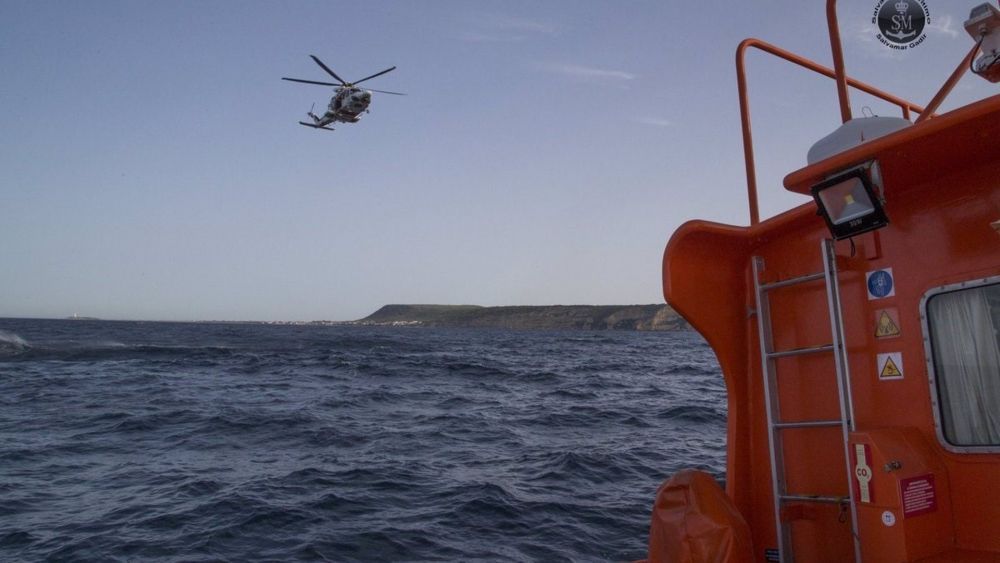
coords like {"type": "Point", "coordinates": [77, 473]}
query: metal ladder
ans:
{"type": "Point", "coordinates": [770, 372]}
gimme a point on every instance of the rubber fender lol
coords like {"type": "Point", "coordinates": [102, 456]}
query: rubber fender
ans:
{"type": "Point", "coordinates": [694, 521]}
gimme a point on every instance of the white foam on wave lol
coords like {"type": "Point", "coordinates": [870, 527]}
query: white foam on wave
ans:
{"type": "Point", "coordinates": [102, 344]}
{"type": "Point", "coordinates": [11, 340]}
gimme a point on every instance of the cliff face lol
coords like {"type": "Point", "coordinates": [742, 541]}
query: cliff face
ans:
{"type": "Point", "coordinates": [586, 317]}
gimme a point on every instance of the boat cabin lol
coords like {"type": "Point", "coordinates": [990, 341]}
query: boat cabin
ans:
{"type": "Point", "coordinates": [859, 339]}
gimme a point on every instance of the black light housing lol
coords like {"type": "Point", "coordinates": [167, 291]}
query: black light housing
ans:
{"type": "Point", "coordinates": [849, 204]}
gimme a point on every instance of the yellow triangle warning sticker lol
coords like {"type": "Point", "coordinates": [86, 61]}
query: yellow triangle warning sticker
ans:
{"type": "Point", "coordinates": [890, 366]}
{"type": "Point", "coordinates": [886, 326]}
{"type": "Point", "coordinates": [890, 369]}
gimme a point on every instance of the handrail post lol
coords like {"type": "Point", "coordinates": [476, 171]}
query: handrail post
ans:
{"type": "Point", "coordinates": [838, 60]}
{"type": "Point", "coordinates": [741, 80]}
{"type": "Point", "coordinates": [949, 85]}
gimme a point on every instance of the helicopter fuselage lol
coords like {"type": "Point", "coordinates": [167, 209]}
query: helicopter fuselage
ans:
{"type": "Point", "coordinates": [346, 105]}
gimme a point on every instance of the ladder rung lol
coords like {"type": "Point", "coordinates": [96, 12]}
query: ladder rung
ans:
{"type": "Point", "coordinates": [792, 281]}
{"type": "Point", "coordinates": [807, 424]}
{"type": "Point", "coordinates": [801, 351]}
{"type": "Point", "coordinates": [814, 498]}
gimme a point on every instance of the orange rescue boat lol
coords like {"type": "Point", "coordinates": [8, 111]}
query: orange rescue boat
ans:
{"type": "Point", "coordinates": [859, 339]}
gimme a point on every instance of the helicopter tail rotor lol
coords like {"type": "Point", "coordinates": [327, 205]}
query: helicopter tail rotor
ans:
{"type": "Point", "coordinates": [311, 114]}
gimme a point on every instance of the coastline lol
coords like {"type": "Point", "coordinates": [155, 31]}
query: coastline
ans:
{"type": "Point", "coordinates": [655, 317]}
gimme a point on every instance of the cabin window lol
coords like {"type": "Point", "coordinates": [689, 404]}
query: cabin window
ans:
{"type": "Point", "coordinates": [963, 326]}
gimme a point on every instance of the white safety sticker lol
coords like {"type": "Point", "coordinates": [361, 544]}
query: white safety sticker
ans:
{"type": "Point", "coordinates": [890, 366]}
{"type": "Point", "coordinates": [880, 284]}
{"type": "Point", "coordinates": [887, 323]}
{"type": "Point", "coordinates": [863, 472]}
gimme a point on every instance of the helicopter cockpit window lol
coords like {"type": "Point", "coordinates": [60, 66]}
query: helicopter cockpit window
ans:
{"type": "Point", "coordinates": [963, 327]}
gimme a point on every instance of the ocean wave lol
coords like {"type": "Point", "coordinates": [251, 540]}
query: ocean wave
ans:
{"type": "Point", "coordinates": [12, 344]}
{"type": "Point", "coordinates": [164, 442]}
{"type": "Point", "coordinates": [571, 394]}
{"type": "Point", "coordinates": [582, 416]}
{"type": "Point", "coordinates": [693, 368]}
{"type": "Point", "coordinates": [17, 539]}
{"type": "Point", "coordinates": [693, 413]}
{"type": "Point", "coordinates": [152, 422]}
{"type": "Point", "coordinates": [467, 368]}
{"type": "Point", "coordinates": [578, 466]}
{"type": "Point", "coordinates": [114, 351]}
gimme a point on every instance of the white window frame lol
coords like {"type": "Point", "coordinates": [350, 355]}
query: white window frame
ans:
{"type": "Point", "coordinates": [931, 372]}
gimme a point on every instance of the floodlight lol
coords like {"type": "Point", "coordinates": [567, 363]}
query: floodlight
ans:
{"type": "Point", "coordinates": [984, 26]}
{"type": "Point", "coordinates": [848, 202]}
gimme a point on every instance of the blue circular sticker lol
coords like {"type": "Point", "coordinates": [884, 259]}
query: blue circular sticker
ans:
{"type": "Point", "coordinates": [880, 283]}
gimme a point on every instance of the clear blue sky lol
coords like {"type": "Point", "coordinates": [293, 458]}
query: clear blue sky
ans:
{"type": "Point", "coordinates": [152, 168]}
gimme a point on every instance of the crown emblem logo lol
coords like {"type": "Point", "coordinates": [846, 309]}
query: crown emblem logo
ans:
{"type": "Point", "coordinates": [902, 6]}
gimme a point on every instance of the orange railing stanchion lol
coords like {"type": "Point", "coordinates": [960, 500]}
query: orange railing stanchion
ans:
{"type": "Point", "coordinates": [838, 60]}
{"type": "Point", "coordinates": [741, 80]}
{"type": "Point", "coordinates": [949, 85]}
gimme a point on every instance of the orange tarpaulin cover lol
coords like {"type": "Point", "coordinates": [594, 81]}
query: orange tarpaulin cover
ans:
{"type": "Point", "coordinates": [695, 522]}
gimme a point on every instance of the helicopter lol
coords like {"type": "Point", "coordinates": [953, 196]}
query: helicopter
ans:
{"type": "Point", "coordinates": [347, 103]}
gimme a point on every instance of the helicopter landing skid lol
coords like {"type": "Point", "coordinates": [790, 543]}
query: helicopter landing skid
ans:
{"type": "Point", "coordinates": [316, 126]}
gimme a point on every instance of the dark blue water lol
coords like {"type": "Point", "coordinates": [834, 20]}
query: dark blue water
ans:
{"type": "Point", "coordinates": [163, 441]}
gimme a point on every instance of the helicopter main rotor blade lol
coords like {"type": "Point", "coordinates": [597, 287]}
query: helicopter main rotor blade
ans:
{"type": "Point", "coordinates": [310, 81]}
{"type": "Point", "coordinates": [374, 75]}
{"type": "Point", "coordinates": [386, 92]}
{"type": "Point", "coordinates": [327, 69]}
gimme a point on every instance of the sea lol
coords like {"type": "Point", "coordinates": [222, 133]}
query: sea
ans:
{"type": "Point", "coordinates": [152, 441]}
